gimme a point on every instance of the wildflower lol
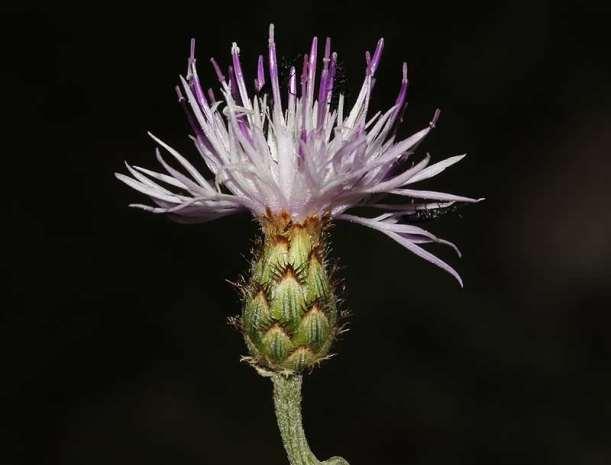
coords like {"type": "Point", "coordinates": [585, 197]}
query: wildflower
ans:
{"type": "Point", "coordinates": [296, 167]}
{"type": "Point", "coordinates": [296, 163]}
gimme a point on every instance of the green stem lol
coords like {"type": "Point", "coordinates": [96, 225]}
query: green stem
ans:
{"type": "Point", "coordinates": [287, 402]}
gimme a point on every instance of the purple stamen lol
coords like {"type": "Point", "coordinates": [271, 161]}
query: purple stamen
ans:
{"type": "Point", "coordinates": [331, 79]}
{"type": "Point", "coordinates": [327, 49]}
{"type": "Point", "coordinates": [195, 127]}
{"type": "Point", "coordinates": [260, 81]}
{"type": "Point", "coordinates": [217, 70]}
{"type": "Point", "coordinates": [197, 88]}
{"type": "Point", "coordinates": [312, 71]}
{"type": "Point", "coordinates": [199, 93]}
{"type": "Point", "coordinates": [232, 85]}
{"type": "Point", "coordinates": [400, 102]}
{"type": "Point", "coordinates": [193, 79]}
{"type": "Point", "coordinates": [322, 94]}
{"type": "Point", "coordinates": [304, 76]}
{"type": "Point", "coordinates": [377, 55]}
{"type": "Point", "coordinates": [191, 55]}
{"type": "Point", "coordinates": [273, 72]}
{"type": "Point", "coordinates": [322, 87]}
{"type": "Point", "coordinates": [292, 88]}
{"type": "Point", "coordinates": [211, 95]}
{"type": "Point", "coordinates": [304, 91]}
{"type": "Point", "coordinates": [403, 91]}
{"type": "Point", "coordinates": [239, 76]}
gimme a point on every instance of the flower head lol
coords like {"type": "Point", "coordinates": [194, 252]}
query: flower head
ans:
{"type": "Point", "coordinates": [296, 155]}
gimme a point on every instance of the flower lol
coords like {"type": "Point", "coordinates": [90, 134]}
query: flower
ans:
{"type": "Point", "coordinates": [304, 158]}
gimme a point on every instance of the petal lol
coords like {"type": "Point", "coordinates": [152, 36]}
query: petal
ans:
{"type": "Point", "coordinates": [432, 195]}
{"type": "Point", "coordinates": [435, 169]}
{"type": "Point", "coordinates": [404, 241]}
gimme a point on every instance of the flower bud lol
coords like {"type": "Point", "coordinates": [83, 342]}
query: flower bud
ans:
{"type": "Point", "coordinates": [289, 317]}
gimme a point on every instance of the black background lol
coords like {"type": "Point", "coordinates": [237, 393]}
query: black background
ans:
{"type": "Point", "coordinates": [114, 344]}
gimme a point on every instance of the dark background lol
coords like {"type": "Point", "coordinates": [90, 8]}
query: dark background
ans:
{"type": "Point", "coordinates": [114, 344]}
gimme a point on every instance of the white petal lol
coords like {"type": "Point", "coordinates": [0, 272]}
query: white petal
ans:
{"type": "Point", "coordinates": [435, 169]}
{"type": "Point", "coordinates": [417, 194]}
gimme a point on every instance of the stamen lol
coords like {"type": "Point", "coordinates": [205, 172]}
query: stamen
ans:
{"type": "Point", "coordinates": [273, 73]}
{"type": "Point", "coordinates": [217, 70]}
{"type": "Point", "coordinates": [377, 55]}
{"type": "Point", "coordinates": [260, 81]}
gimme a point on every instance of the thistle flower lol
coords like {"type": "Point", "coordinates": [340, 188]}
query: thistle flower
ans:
{"type": "Point", "coordinates": [295, 163]}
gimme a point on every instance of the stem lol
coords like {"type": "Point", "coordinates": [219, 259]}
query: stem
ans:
{"type": "Point", "coordinates": [287, 403]}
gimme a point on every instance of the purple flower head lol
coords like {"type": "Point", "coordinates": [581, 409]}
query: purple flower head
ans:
{"type": "Point", "coordinates": [295, 153]}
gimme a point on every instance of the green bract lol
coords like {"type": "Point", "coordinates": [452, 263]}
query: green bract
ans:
{"type": "Point", "coordinates": [289, 318]}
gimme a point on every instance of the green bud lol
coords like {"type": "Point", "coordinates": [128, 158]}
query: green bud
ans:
{"type": "Point", "coordinates": [289, 314]}
{"type": "Point", "coordinates": [276, 344]}
{"type": "Point", "coordinates": [314, 329]}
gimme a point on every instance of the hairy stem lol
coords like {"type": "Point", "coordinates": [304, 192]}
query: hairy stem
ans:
{"type": "Point", "coordinates": [287, 403]}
